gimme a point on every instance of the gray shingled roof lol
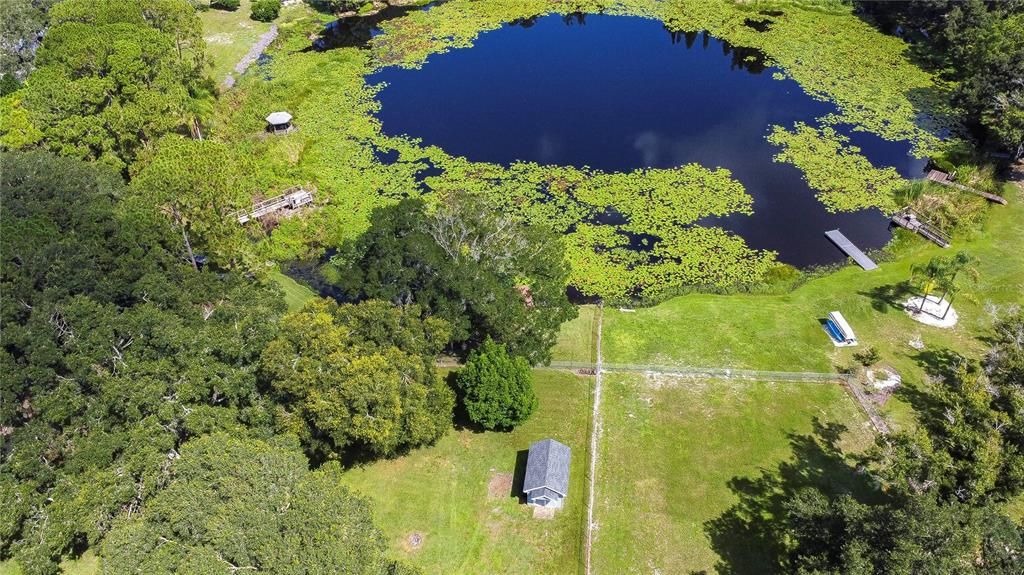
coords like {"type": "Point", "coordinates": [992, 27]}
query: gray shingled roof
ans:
{"type": "Point", "coordinates": [548, 466]}
{"type": "Point", "coordinates": [544, 491]}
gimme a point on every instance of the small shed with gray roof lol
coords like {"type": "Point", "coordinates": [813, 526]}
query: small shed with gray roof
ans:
{"type": "Point", "coordinates": [547, 474]}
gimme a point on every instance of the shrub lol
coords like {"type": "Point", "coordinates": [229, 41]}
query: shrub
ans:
{"type": "Point", "coordinates": [496, 388]}
{"type": "Point", "coordinates": [868, 357]}
{"type": "Point", "coordinates": [230, 5]}
{"type": "Point", "coordinates": [265, 10]}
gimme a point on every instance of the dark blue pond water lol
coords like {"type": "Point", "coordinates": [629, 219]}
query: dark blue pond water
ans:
{"type": "Point", "coordinates": [618, 93]}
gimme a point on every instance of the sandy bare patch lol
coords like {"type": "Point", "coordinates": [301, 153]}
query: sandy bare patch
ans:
{"type": "Point", "coordinates": [543, 512]}
{"type": "Point", "coordinates": [218, 39]}
{"type": "Point", "coordinates": [932, 312]}
{"type": "Point", "coordinates": [413, 542]}
{"type": "Point", "coordinates": [500, 485]}
{"type": "Point", "coordinates": [884, 378]}
{"type": "Point", "coordinates": [658, 380]}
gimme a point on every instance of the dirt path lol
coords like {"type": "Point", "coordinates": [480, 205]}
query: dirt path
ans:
{"type": "Point", "coordinates": [595, 433]}
{"type": "Point", "coordinates": [251, 56]}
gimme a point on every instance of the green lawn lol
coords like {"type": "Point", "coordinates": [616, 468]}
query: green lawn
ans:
{"type": "Point", "coordinates": [469, 525]}
{"type": "Point", "coordinates": [577, 340]}
{"type": "Point", "coordinates": [783, 332]}
{"type": "Point", "coordinates": [295, 294]}
{"type": "Point", "coordinates": [669, 448]}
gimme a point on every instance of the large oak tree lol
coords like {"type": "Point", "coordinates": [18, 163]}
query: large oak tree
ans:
{"type": "Point", "coordinates": [463, 259]}
{"type": "Point", "coordinates": [236, 505]}
{"type": "Point", "coordinates": [357, 378]}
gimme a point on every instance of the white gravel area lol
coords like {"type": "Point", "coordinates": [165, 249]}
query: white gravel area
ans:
{"type": "Point", "coordinates": [932, 312]}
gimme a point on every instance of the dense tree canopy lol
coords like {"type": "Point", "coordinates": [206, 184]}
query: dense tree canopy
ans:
{"type": "Point", "coordinates": [114, 351]}
{"type": "Point", "coordinates": [114, 75]}
{"type": "Point", "coordinates": [976, 43]}
{"type": "Point", "coordinates": [234, 505]}
{"type": "Point", "coordinates": [821, 514]}
{"type": "Point", "coordinates": [359, 377]}
{"type": "Point", "coordinates": [1005, 361]}
{"type": "Point", "coordinates": [497, 390]}
{"type": "Point", "coordinates": [972, 445]}
{"type": "Point", "coordinates": [944, 484]}
{"type": "Point", "coordinates": [917, 534]}
{"type": "Point", "coordinates": [196, 184]}
{"type": "Point", "coordinates": [465, 261]}
{"type": "Point", "coordinates": [987, 51]}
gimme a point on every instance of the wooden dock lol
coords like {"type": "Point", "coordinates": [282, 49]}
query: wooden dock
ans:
{"type": "Point", "coordinates": [292, 199]}
{"type": "Point", "coordinates": [940, 177]}
{"type": "Point", "coordinates": [843, 243]}
{"type": "Point", "coordinates": [907, 219]}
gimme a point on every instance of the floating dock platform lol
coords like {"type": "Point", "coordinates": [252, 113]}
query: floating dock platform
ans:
{"type": "Point", "coordinates": [843, 243]}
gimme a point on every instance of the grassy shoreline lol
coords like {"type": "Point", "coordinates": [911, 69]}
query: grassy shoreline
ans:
{"type": "Point", "coordinates": [783, 332]}
{"type": "Point", "coordinates": [340, 140]}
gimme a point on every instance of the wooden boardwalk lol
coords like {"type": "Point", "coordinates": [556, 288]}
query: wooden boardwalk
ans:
{"type": "Point", "coordinates": [292, 199]}
{"type": "Point", "coordinates": [945, 179]}
{"type": "Point", "coordinates": [843, 243]}
{"type": "Point", "coordinates": [907, 219]}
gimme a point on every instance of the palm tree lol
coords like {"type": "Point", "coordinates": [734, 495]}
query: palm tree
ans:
{"type": "Point", "coordinates": [941, 272]}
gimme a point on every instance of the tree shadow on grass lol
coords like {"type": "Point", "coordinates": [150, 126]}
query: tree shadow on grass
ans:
{"type": "Point", "coordinates": [941, 366]}
{"type": "Point", "coordinates": [939, 363]}
{"type": "Point", "coordinates": [749, 537]}
{"type": "Point", "coordinates": [888, 297]}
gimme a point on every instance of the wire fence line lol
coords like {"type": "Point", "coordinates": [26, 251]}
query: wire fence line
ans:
{"type": "Point", "coordinates": [708, 372]}
{"type": "Point", "coordinates": [848, 381]}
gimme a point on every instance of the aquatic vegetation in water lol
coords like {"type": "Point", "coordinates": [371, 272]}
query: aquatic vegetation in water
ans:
{"type": "Point", "coordinates": [604, 264]}
{"type": "Point", "coordinates": [844, 179]}
{"type": "Point", "coordinates": [627, 234]}
{"type": "Point", "coordinates": [831, 53]}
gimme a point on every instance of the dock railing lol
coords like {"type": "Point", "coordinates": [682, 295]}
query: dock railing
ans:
{"type": "Point", "coordinates": [911, 221]}
{"type": "Point", "coordinates": [292, 198]}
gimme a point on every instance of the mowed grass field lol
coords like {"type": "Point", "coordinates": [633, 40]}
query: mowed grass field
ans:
{"type": "Point", "coordinates": [457, 495]}
{"type": "Point", "coordinates": [670, 447]}
{"type": "Point", "coordinates": [577, 341]}
{"type": "Point", "coordinates": [295, 294]}
{"type": "Point", "coordinates": [784, 333]}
